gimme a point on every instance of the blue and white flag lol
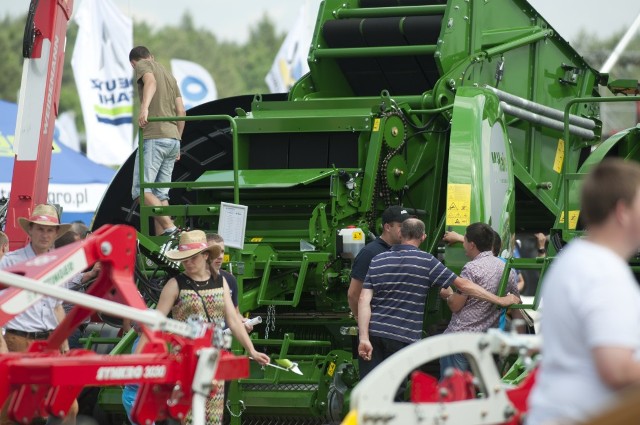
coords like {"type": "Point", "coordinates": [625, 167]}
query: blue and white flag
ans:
{"type": "Point", "coordinates": [195, 82]}
{"type": "Point", "coordinates": [104, 78]}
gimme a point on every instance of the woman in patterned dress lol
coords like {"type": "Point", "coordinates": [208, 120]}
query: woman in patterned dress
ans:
{"type": "Point", "coordinates": [189, 293]}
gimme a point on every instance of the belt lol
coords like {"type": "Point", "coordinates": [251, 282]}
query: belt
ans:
{"type": "Point", "coordinates": [30, 335]}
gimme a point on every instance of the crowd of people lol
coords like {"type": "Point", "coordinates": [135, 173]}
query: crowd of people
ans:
{"type": "Point", "coordinates": [392, 297]}
{"type": "Point", "coordinates": [588, 288]}
{"type": "Point", "coordinates": [203, 292]}
{"type": "Point", "coordinates": [591, 297]}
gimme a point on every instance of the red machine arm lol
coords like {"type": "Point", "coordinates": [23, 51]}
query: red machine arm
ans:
{"type": "Point", "coordinates": [37, 109]}
{"type": "Point", "coordinates": [42, 381]}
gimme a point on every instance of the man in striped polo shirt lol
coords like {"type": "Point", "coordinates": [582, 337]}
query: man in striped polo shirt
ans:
{"type": "Point", "coordinates": [391, 305]}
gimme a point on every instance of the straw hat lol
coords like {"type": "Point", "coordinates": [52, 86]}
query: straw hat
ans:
{"type": "Point", "coordinates": [192, 243]}
{"type": "Point", "coordinates": [45, 215]}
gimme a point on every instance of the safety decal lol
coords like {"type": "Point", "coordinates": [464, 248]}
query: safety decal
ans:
{"type": "Point", "coordinates": [573, 218]}
{"type": "Point", "coordinates": [557, 162]}
{"type": "Point", "coordinates": [458, 204]}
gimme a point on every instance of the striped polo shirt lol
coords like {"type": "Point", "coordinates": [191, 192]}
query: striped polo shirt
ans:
{"type": "Point", "coordinates": [400, 279]}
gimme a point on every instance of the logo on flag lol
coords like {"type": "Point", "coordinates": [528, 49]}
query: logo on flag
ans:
{"type": "Point", "coordinates": [195, 82]}
{"type": "Point", "coordinates": [104, 79]}
{"type": "Point", "coordinates": [290, 63]}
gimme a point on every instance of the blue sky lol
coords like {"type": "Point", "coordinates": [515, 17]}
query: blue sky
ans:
{"type": "Point", "coordinates": [232, 20]}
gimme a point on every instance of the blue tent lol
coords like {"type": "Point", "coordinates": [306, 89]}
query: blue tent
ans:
{"type": "Point", "coordinates": [76, 183]}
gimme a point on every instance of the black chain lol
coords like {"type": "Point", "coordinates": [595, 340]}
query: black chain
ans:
{"type": "Point", "coordinates": [381, 189]}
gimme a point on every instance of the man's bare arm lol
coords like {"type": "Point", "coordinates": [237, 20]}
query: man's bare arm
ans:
{"type": "Point", "coordinates": [60, 314]}
{"type": "Point", "coordinates": [180, 112]}
{"type": "Point", "coordinates": [469, 288]}
{"type": "Point", "coordinates": [616, 366]}
{"type": "Point", "coordinates": [353, 295]}
{"type": "Point", "coordinates": [3, 345]}
{"type": "Point", "coordinates": [148, 91]}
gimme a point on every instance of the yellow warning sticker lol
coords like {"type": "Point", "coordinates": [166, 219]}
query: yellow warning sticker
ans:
{"type": "Point", "coordinates": [226, 258]}
{"type": "Point", "coordinates": [256, 239]}
{"type": "Point", "coordinates": [331, 369]}
{"type": "Point", "coordinates": [357, 236]}
{"type": "Point", "coordinates": [573, 218]}
{"type": "Point", "coordinates": [458, 204]}
{"type": "Point", "coordinates": [557, 162]}
{"type": "Point", "coordinates": [376, 124]}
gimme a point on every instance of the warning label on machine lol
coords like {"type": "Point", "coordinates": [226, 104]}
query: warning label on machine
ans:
{"type": "Point", "coordinates": [573, 218]}
{"type": "Point", "coordinates": [559, 159]}
{"type": "Point", "coordinates": [458, 204]}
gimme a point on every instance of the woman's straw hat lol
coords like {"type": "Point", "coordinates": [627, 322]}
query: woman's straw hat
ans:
{"type": "Point", "coordinates": [45, 215]}
{"type": "Point", "coordinates": [192, 243]}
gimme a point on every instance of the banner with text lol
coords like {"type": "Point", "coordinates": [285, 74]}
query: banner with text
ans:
{"type": "Point", "coordinates": [104, 78]}
{"type": "Point", "coordinates": [195, 82]}
{"type": "Point", "coordinates": [71, 197]}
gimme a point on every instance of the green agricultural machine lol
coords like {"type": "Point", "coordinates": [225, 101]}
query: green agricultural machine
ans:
{"type": "Point", "coordinates": [459, 110]}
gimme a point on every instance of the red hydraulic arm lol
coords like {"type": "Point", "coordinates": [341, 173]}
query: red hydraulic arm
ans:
{"type": "Point", "coordinates": [43, 49]}
{"type": "Point", "coordinates": [43, 381]}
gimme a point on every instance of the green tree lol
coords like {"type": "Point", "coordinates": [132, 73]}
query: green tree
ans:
{"type": "Point", "coordinates": [596, 51]}
{"type": "Point", "coordinates": [236, 68]}
{"type": "Point", "coordinates": [11, 32]}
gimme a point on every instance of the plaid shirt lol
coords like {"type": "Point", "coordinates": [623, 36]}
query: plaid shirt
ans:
{"type": "Point", "coordinates": [476, 315]}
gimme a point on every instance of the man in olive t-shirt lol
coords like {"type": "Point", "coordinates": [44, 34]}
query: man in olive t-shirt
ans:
{"type": "Point", "coordinates": [159, 97]}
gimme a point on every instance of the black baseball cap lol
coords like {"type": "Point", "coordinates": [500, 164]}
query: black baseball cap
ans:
{"type": "Point", "coordinates": [395, 214]}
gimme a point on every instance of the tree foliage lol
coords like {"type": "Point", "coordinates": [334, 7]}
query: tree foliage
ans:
{"type": "Point", "coordinates": [596, 51]}
{"type": "Point", "coordinates": [236, 68]}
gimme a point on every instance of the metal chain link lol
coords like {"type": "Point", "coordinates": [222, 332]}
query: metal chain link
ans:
{"type": "Point", "coordinates": [381, 183]}
{"type": "Point", "coordinates": [242, 409]}
{"type": "Point", "coordinates": [271, 321]}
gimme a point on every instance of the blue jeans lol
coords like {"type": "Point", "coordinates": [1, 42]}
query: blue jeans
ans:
{"type": "Point", "coordinates": [159, 158]}
{"type": "Point", "coordinates": [457, 361]}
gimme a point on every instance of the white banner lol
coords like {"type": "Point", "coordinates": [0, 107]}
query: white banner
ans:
{"type": "Point", "coordinates": [104, 78]}
{"type": "Point", "coordinates": [291, 61]}
{"type": "Point", "coordinates": [74, 198]}
{"type": "Point", "coordinates": [195, 82]}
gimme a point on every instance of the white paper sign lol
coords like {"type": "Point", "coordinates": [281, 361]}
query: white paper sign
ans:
{"type": "Point", "coordinates": [233, 223]}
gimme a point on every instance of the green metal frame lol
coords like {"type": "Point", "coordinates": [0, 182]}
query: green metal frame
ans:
{"type": "Point", "coordinates": [410, 147]}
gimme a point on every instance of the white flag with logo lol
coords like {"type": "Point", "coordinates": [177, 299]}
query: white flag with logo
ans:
{"type": "Point", "coordinates": [195, 82]}
{"type": "Point", "coordinates": [291, 61]}
{"type": "Point", "coordinates": [104, 78]}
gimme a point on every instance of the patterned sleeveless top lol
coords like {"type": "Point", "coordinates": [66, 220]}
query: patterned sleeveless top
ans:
{"type": "Point", "coordinates": [193, 298]}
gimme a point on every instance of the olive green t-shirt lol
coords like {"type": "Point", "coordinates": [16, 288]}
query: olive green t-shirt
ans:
{"type": "Point", "coordinates": [163, 103]}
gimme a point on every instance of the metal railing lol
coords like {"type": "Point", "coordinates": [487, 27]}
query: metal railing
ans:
{"type": "Point", "coordinates": [165, 210]}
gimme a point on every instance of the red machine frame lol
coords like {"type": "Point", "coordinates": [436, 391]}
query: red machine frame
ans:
{"type": "Point", "coordinates": [37, 110]}
{"type": "Point", "coordinates": [43, 381]}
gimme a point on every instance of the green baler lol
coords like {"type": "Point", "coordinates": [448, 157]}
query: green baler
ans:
{"type": "Point", "coordinates": [454, 109]}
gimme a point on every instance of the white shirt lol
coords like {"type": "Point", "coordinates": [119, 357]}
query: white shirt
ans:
{"type": "Point", "coordinates": [39, 317]}
{"type": "Point", "coordinates": [591, 299]}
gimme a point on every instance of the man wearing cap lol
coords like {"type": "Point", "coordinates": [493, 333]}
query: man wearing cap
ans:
{"type": "Point", "coordinates": [393, 299]}
{"type": "Point", "coordinates": [392, 219]}
{"type": "Point", "coordinates": [39, 320]}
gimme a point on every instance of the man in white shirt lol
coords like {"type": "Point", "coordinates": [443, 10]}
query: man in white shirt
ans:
{"type": "Point", "coordinates": [590, 330]}
{"type": "Point", "coordinates": [39, 320]}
